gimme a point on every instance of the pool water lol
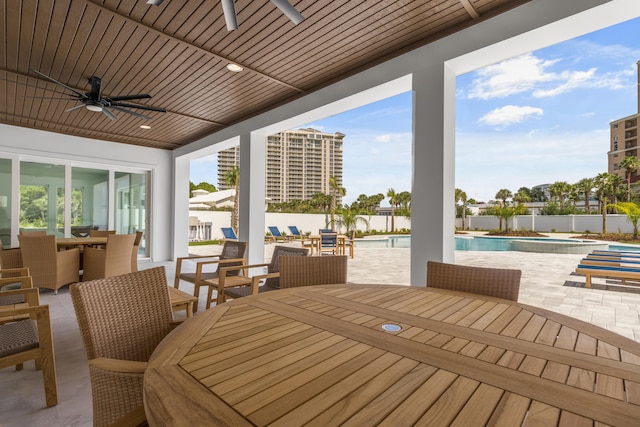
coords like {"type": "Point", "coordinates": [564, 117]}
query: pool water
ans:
{"type": "Point", "coordinates": [477, 243]}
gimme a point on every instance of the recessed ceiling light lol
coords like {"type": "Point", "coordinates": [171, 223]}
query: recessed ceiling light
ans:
{"type": "Point", "coordinates": [145, 126]}
{"type": "Point", "coordinates": [234, 67]}
{"type": "Point", "coordinates": [95, 108]}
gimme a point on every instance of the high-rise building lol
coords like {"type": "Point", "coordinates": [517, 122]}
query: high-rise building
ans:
{"type": "Point", "coordinates": [624, 140]}
{"type": "Point", "coordinates": [299, 164]}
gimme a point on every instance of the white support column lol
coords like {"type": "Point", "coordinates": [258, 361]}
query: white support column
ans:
{"type": "Point", "coordinates": [432, 193]}
{"type": "Point", "coordinates": [182, 166]}
{"type": "Point", "coordinates": [252, 194]}
{"type": "Point", "coordinates": [68, 189]}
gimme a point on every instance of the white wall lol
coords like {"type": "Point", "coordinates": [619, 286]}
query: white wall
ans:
{"type": "Point", "coordinates": [559, 223]}
{"type": "Point", "coordinates": [47, 147]}
{"type": "Point", "coordinates": [304, 222]}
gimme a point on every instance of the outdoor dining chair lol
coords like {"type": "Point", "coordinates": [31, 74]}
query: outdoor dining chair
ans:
{"type": "Point", "coordinates": [328, 241]}
{"type": "Point", "coordinates": [233, 253]}
{"type": "Point", "coordinates": [50, 268]}
{"type": "Point", "coordinates": [113, 260]}
{"type": "Point", "coordinates": [494, 282]}
{"type": "Point", "coordinates": [29, 338]}
{"type": "Point", "coordinates": [271, 278]}
{"type": "Point", "coordinates": [10, 258]}
{"type": "Point", "coordinates": [122, 320]}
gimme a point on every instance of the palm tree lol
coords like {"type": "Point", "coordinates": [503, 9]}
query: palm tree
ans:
{"type": "Point", "coordinates": [630, 164]}
{"type": "Point", "coordinates": [461, 196]}
{"type": "Point", "coordinates": [585, 187]}
{"type": "Point", "coordinates": [503, 195]}
{"type": "Point", "coordinates": [560, 191]}
{"type": "Point", "coordinates": [604, 191]}
{"type": "Point", "coordinates": [232, 179]}
{"type": "Point", "coordinates": [335, 190]}
{"type": "Point", "coordinates": [632, 211]}
{"type": "Point", "coordinates": [393, 201]}
{"type": "Point", "coordinates": [349, 219]}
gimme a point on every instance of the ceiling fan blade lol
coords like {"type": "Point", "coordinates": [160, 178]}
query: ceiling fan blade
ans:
{"type": "Point", "coordinates": [59, 83]}
{"type": "Point", "coordinates": [109, 113]}
{"type": "Point", "coordinates": [96, 86]}
{"type": "Point", "coordinates": [230, 17]}
{"type": "Point", "coordinates": [154, 2]}
{"type": "Point", "coordinates": [289, 10]}
{"type": "Point", "coordinates": [77, 107]}
{"type": "Point", "coordinates": [140, 107]}
{"type": "Point", "coordinates": [133, 113]}
{"type": "Point", "coordinates": [129, 97]}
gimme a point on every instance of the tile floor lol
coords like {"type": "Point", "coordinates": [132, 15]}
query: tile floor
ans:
{"type": "Point", "coordinates": [547, 281]}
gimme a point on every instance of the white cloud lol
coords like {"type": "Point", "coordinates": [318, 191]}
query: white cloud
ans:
{"type": "Point", "coordinates": [509, 115]}
{"type": "Point", "coordinates": [509, 77]}
{"type": "Point", "coordinates": [528, 73]}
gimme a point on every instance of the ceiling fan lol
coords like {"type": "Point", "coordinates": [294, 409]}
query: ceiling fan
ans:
{"type": "Point", "coordinates": [230, 17]}
{"type": "Point", "coordinates": [94, 101]}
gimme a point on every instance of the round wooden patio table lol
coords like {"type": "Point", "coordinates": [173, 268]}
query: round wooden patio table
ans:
{"type": "Point", "coordinates": [390, 355]}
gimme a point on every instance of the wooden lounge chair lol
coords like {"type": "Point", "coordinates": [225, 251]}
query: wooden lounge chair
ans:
{"type": "Point", "coordinates": [297, 235]}
{"type": "Point", "coordinates": [494, 282]}
{"type": "Point", "coordinates": [271, 278]}
{"type": "Point", "coordinates": [624, 274]}
{"type": "Point", "coordinates": [277, 235]}
{"type": "Point", "coordinates": [228, 233]}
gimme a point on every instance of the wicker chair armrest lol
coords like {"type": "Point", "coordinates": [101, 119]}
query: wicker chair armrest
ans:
{"type": "Point", "coordinates": [117, 365]}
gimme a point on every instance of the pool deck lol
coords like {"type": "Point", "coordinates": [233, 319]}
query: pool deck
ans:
{"type": "Point", "coordinates": [548, 281]}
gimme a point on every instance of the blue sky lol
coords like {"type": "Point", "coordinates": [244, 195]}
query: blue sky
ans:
{"type": "Point", "coordinates": [534, 119]}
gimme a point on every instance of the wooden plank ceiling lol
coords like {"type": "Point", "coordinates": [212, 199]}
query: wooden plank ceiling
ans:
{"type": "Point", "coordinates": [178, 53]}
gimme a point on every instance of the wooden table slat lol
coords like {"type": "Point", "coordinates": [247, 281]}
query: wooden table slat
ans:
{"type": "Point", "coordinates": [343, 409]}
{"type": "Point", "coordinates": [296, 390]}
{"type": "Point", "coordinates": [449, 404]}
{"type": "Point", "coordinates": [541, 414]}
{"type": "Point", "coordinates": [511, 411]}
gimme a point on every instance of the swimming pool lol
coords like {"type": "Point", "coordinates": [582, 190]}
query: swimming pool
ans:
{"type": "Point", "coordinates": [492, 243]}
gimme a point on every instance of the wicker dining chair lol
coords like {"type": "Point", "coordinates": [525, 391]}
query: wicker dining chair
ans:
{"type": "Point", "coordinates": [10, 258]}
{"type": "Point", "coordinates": [271, 278]}
{"type": "Point", "coordinates": [122, 320]}
{"type": "Point", "coordinates": [233, 253]}
{"type": "Point", "coordinates": [50, 268]}
{"type": "Point", "coordinates": [494, 282]}
{"type": "Point", "coordinates": [113, 260]}
{"type": "Point", "coordinates": [25, 334]}
{"type": "Point", "coordinates": [312, 270]}
{"type": "Point", "coordinates": [136, 249]}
